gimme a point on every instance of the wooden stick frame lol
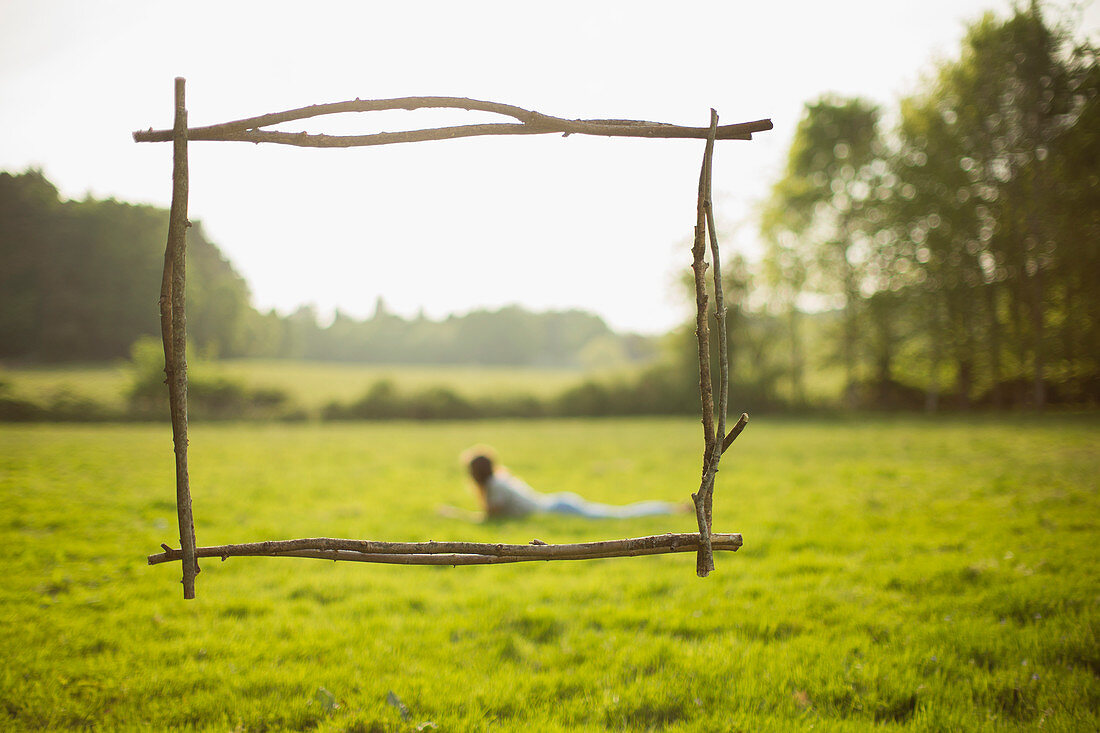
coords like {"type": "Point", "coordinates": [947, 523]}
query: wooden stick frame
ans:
{"type": "Point", "coordinates": [174, 333]}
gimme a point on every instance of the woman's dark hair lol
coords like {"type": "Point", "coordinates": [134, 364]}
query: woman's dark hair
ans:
{"type": "Point", "coordinates": [481, 468]}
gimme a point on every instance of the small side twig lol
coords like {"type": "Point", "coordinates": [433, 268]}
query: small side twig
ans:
{"type": "Point", "coordinates": [735, 431]}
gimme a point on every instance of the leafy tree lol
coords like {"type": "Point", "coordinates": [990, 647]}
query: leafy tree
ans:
{"type": "Point", "coordinates": [29, 210]}
{"type": "Point", "coordinates": [965, 251]}
{"type": "Point", "coordinates": [986, 172]}
{"type": "Point", "coordinates": [822, 217]}
{"type": "Point", "coordinates": [81, 279]}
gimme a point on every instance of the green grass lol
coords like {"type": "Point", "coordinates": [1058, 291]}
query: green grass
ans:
{"type": "Point", "coordinates": [308, 383]}
{"type": "Point", "coordinates": [900, 573]}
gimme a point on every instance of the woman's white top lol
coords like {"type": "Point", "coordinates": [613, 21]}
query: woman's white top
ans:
{"type": "Point", "coordinates": [507, 496]}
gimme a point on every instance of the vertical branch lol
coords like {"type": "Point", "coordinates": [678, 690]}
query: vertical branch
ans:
{"type": "Point", "coordinates": [702, 327]}
{"type": "Point", "coordinates": [173, 325]}
{"type": "Point", "coordinates": [720, 318]}
{"type": "Point", "coordinates": [705, 559]}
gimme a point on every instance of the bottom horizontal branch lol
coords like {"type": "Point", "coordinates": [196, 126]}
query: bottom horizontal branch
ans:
{"type": "Point", "coordinates": [455, 553]}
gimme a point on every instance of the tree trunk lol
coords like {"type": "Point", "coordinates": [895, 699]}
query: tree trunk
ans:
{"type": "Point", "coordinates": [932, 396]}
{"type": "Point", "coordinates": [798, 378]}
{"type": "Point", "coordinates": [1038, 332]}
{"type": "Point", "coordinates": [851, 336]}
{"type": "Point", "coordinates": [964, 383]}
{"type": "Point", "coordinates": [884, 357]}
{"type": "Point", "coordinates": [994, 346]}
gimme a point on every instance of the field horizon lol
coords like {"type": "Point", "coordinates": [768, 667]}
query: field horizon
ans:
{"type": "Point", "coordinates": [308, 384]}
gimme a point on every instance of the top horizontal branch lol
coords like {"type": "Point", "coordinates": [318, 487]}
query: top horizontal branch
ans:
{"type": "Point", "coordinates": [530, 123]}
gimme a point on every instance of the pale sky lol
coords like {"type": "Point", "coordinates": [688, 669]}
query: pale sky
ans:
{"type": "Point", "coordinates": [547, 222]}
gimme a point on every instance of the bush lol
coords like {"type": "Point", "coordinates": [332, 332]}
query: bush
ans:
{"type": "Point", "coordinates": [13, 409]}
{"type": "Point", "coordinates": [516, 405]}
{"type": "Point", "coordinates": [66, 406]}
{"type": "Point", "coordinates": [383, 401]}
{"type": "Point", "coordinates": [210, 398]}
{"type": "Point", "coordinates": [588, 399]}
{"type": "Point", "coordinates": [1081, 391]}
{"type": "Point", "coordinates": [887, 394]}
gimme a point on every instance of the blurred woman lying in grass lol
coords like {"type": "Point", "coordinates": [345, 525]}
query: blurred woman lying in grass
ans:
{"type": "Point", "coordinates": [504, 496]}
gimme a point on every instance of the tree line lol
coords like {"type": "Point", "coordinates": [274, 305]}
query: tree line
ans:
{"type": "Point", "coordinates": [80, 281]}
{"type": "Point", "coordinates": [959, 248]}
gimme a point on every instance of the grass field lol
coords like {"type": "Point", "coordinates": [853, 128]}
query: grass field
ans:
{"type": "Point", "coordinates": [903, 573]}
{"type": "Point", "coordinates": [309, 384]}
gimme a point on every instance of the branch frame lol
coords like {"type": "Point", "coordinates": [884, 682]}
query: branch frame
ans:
{"type": "Point", "coordinates": [528, 122]}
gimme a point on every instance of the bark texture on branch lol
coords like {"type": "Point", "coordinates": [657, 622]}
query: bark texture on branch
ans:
{"type": "Point", "coordinates": [529, 123]}
{"type": "Point", "coordinates": [715, 438]}
{"type": "Point", "coordinates": [720, 325]}
{"type": "Point", "coordinates": [173, 324]}
{"type": "Point", "coordinates": [454, 553]}
{"type": "Point", "coordinates": [705, 558]}
{"type": "Point", "coordinates": [735, 431]}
